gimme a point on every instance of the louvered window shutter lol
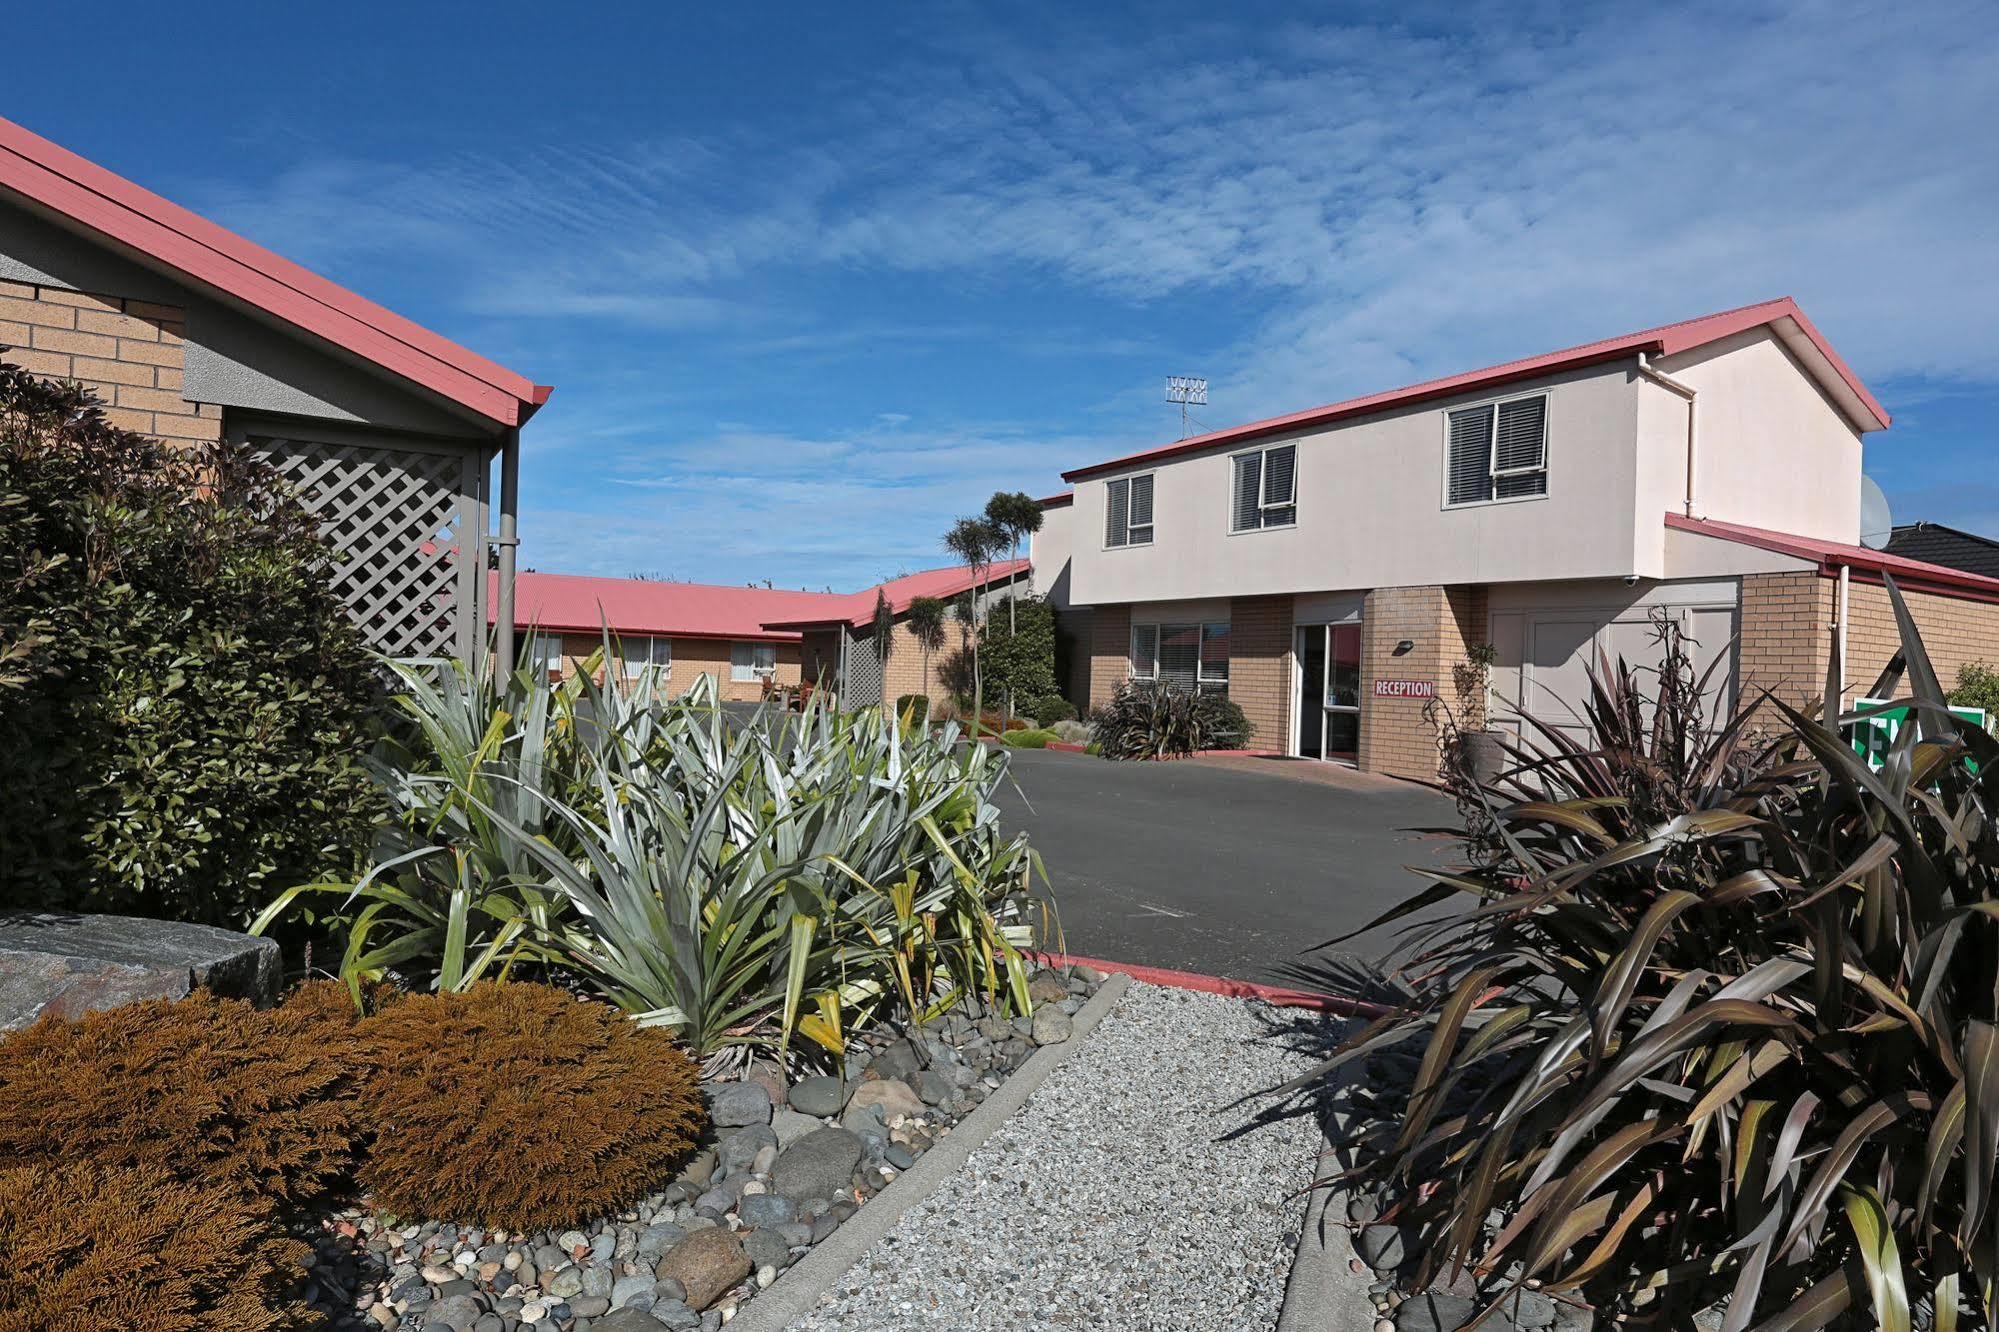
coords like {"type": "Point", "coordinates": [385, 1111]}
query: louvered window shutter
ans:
{"type": "Point", "coordinates": [1280, 486]}
{"type": "Point", "coordinates": [1520, 448]}
{"type": "Point", "coordinates": [1144, 650]}
{"type": "Point", "coordinates": [1141, 510]}
{"type": "Point", "coordinates": [1117, 527]}
{"type": "Point", "coordinates": [1180, 655]}
{"type": "Point", "coordinates": [1248, 487]}
{"type": "Point", "coordinates": [1471, 455]}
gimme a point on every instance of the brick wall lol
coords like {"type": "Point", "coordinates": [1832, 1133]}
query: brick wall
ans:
{"type": "Point", "coordinates": [1783, 635]}
{"type": "Point", "coordinates": [129, 353]}
{"type": "Point", "coordinates": [905, 674]}
{"type": "Point", "coordinates": [1110, 651]}
{"type": "Point", "coordinates": [1440, 623]}
{"type": "Point", "coordinates": [1260, 667]}
{"type": "Point", "coordinates": [1955, 634]}
{"type": "Point", "coordinates": [692, 658]}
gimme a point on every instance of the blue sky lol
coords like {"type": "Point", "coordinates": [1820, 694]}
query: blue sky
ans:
{"type": "Point", "coordinates": [812, 280]}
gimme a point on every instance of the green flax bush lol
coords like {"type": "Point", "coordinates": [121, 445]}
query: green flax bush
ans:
{"type": "Point", "coordinates": [183, 702]}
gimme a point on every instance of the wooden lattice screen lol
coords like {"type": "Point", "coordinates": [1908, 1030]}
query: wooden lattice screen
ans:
{"type": "Point", "coordinates": [392, 515]}
{"type": "Point", "coordinates": [863, 686]}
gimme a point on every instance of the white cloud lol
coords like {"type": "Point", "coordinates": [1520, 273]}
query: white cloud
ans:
{"type": "Point", "coordinates": [1372, 203]}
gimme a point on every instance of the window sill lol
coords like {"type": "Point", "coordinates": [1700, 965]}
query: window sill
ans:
{"type": "Point", "coordinates": [1487, 504]}
{"type": "Point", "coordinates": [1272, 527]}
{"type": "Point", "coordinates": [1129, 545]}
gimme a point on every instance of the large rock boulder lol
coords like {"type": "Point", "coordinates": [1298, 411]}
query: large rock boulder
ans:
{"type": "Point", "coordinates": [705, 1264]}
{"type": "Point", "coordinates": [818, 1165]}
{"type": "Point", "coordinates": [53, 962]}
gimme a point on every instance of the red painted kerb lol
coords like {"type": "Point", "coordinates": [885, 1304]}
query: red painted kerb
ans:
{"type": "Point", "coordinates": [1223, 985]}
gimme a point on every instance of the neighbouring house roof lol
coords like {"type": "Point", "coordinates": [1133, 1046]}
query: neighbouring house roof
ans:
{"type": "Point", "coordinates": [577, 603]}
{"type": "Point", "coordinates": [1949, 546]}
{"type": "Point", "coordinates": [859, 608]}
{"type": "Point", "coordinates": [1057, 501]}
{"type": "Point", "coordinates": [1796, 331]}
{"type": "Point", "coordinates": [53, 181]}
{"type": "Point", "coordinates": [1831, 555]}
{"type": "Point", "coordinates": [574, 603]}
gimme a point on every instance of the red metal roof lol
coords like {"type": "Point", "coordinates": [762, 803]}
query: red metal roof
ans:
{"type": "Point", "coordinates": [135, 220]}
{"type": "Point", "coordinates": [576, 603]}
{"type": "Point", "coordinates": [859, 609]}
{"type": "Point", "coordinates": [1830, 555]}
{"type": "Point", "coordinates": [1666, 340]}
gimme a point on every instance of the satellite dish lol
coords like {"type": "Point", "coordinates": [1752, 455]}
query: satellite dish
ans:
{"type": "Point", "coordinates": [1876, 523]}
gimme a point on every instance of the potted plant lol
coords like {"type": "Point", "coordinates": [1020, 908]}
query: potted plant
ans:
{"type": "Point", "coordinates": [1481, 749]}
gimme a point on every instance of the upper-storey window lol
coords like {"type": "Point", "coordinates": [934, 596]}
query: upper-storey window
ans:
{"type": "Point", "coordinates": [1498, 451]}
{"type": "Point", "coordinates": [1266, 488]}
{"type": "Point", "coordinates": [1128, 513]}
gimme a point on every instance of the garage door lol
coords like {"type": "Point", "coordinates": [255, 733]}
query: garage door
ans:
{"type": "Point", "coordinates": [1558, 649]}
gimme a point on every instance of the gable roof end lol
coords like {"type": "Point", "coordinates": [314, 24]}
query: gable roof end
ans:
{"type": "Point", "coordinates": [1783, 315]}
{"type": "Point", "coordinates": [53, 180]}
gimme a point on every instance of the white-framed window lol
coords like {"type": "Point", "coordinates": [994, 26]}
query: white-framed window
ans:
{"type": "Point", "coordinates": [1264, 491]}
{"type": "Point", "coordinates": [1191, 656]}
{"type": "Point", "coordinates": [1497, 451]}
{"type": "Point", "coordinates": [638, 651]}
{"type": "Point", "coordinates": [1128, 511]}
{"type": "Point", "coordinates": [752, 661]}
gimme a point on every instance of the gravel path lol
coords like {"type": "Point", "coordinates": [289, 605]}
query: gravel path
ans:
{"type": "Point", "coordinates": [1107, 1202]}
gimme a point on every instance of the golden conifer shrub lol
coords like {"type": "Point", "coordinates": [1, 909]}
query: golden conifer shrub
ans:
{"type": "Point", "coordinates": [86, 1247]}
{"type": "Point", "coordinates": [518, 1105]}
{"type": "Point", "coordinates": [206, 1090]}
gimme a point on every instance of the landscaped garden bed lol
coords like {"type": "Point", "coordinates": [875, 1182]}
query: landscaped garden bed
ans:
{"type": "Point", "coordinates": [783, 1165]}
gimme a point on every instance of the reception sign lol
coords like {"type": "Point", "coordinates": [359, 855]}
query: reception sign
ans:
{"type": "Point", "coordinates": [1404, 689]}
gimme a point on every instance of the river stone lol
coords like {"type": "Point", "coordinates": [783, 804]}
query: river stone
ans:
{"type": "Point", "coordinates": [631, 1320]}
{"type": "Point", "coordinates": [934, 1087]}
{"type": "Point", "coordinates": [626, 1288]}
{"type": "Point", "coordinates": [898, 1059]}
{"type": "Point", "coordinates": [735, 1104]}
{"type": "Point", "coordinates": [790, 1126]}
{"type": "Point", "coordinates": [818, 1165]}
{"type": "Point", "coordinates": [767, 1248]}
{"type": "Point", "coordinates": [766, 1209]}
{"type": "Point", "coordinates": [657, 1239]}
{"type": "Point", "coordinates": [820, 1095]}
{"type": "Point", "coordinates": [741, 1147]}
{"type": "Point", "coordinates": [705, 1264]}
{"type": "Point", "coordinates": [1047, 988]}
{"type": "Point", "coordinates": [1435, 1311]}
{"type": "Point", "coordinates": [891, 1094]}
{"type": "Point", "coordinates": [1382, 1247]}
{"type": "Point", "coordinates": [69, 965]}
{"type": "Point", "coordinates": [457, 1312]}
{"type": "Point", "coordinates": [1052, 1026]}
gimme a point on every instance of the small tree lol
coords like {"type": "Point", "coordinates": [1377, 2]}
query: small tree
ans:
{"type": "Point", "coordinates": [926, 626]}
{"type": "Point", "coordinates": [1015, 514]}
{"type": "Point", "coordinates": [975, 541]}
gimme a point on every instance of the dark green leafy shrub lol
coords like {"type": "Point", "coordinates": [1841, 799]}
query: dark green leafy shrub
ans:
{"type": "Point", "coordinates": [1721, 1026]}
{"type": "Point", "coordinates": [87, 1247]}
{"type": "Point", "coordinates": [1051, 709]}
{"type": "Point", "coordinates": [1977, 687]}
{"type": "Point", "coordinates": [208, 1090]}
{"type": "Point", "coordinates": [1150, 719]}
{"type": "Point", "coordinates": [1019, 658]}
{"type": "Point", "coordinates": [521, 1106]}
{"type": "Point", "coordinates": [914, 707]}
{"type": "Point", "coordinates": [183, 702]}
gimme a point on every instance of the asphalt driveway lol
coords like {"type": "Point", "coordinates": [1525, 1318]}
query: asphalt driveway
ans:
{"type": "Point", "coordinates": [1226, 869]}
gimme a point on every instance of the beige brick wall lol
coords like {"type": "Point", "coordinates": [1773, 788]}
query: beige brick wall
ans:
{"type": "Point", "coordinates": [1781, 644]}
{"type": "Point", "coordinates": [1260, 666]}
{"type": "Point", "coordinates": [692, 658]}
{"type": "Point", "coordinates": [1440, 623]}
{"type": "Point", "coordinates": [1955, 634]}
{"type": "Point", "coordinates": [129, 353]}
{"type": "Point", "coordinates": [1110, 651]}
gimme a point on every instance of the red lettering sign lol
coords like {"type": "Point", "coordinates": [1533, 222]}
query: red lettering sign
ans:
{"type": "Point", "coordinates": [1404, 689]}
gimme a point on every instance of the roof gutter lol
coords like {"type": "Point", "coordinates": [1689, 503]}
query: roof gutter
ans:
{"type": "Point", "coordinates": [1689, 394]}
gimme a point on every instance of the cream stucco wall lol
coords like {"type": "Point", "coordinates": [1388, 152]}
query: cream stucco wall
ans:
{"type": "Point", "coordinates": [1049, 549]}
{"type": "Point", "coordinates": [1371, 509]}
{"type": "Point", "coordinates": [1771, 449]}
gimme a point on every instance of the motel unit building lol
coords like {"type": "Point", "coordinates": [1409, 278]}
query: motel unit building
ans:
{"type": "Point", "coordinates": [1329, 568]}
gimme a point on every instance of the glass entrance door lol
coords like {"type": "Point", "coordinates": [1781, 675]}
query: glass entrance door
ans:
{"type": "Point", "coordinates": [1328, 702]}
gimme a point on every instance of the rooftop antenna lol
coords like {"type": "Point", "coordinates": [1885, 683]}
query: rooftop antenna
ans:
{"type": "Point", "coordinates": [1188, 392]}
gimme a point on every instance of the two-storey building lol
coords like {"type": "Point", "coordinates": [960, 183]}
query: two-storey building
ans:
{"type": "Point", "coordinates": [1329, 568]}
